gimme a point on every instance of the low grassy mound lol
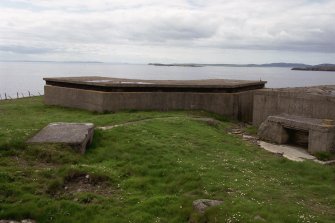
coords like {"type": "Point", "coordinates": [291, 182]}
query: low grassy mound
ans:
{"type": "Point", "coordinates": [151, 171]}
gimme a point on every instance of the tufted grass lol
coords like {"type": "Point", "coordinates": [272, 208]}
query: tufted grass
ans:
{"type": "Point", "coordinates": [151, 171]}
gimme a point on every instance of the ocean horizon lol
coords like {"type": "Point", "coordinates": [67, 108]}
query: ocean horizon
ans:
{"type": "Point", "coordinates": [23, 77]}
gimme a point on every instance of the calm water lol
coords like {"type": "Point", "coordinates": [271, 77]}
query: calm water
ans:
{"type": "Point", "coordinates": [24, 76]}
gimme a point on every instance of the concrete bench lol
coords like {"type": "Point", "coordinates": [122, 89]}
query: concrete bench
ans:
{"type": "Point", "coordinates": [317, 134]}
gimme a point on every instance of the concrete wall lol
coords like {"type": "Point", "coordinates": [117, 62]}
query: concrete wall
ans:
{"type": "Point", "coordinates": [245, 105]}
{"type": "Point", "coordinates": [234, 105]}
{"type": "Point", "coordinates": [272, 102]}
{"type": "Point", "coordinates": [70, 97]}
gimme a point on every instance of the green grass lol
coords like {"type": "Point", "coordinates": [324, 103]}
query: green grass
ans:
{"type": "Point", "coordinates": [151, 171]}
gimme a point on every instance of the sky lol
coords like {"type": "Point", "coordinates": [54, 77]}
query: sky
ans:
{"type": "Point", "coordinates": [175, 31]}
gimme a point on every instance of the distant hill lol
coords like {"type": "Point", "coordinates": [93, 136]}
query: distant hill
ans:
{"type": "Point", "coordinates": [48, 61]}
{"type": "Point", "coordinates": [288, 65]}
{"type": "Point", "coordinates": [320, 67]}
{"type": "Point", "coordinates": [179, 65]}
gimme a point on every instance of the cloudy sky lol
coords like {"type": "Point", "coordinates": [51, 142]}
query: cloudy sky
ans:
{"type": "Point", "coordinates": [141, 31]}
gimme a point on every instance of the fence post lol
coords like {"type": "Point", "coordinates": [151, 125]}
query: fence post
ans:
{"type": "Point", "coordinates": [5, 96]}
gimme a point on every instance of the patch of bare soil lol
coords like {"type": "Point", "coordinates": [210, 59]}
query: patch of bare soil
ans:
{"type": "Point", "coordinates": [82, 182]}
{"type": "Point", "coordinates": [239, 130]}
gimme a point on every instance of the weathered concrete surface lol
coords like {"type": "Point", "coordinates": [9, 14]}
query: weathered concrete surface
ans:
{"type": "Point", "coordinates": [109, 84]}
{"type": "Point", "coordinates": [321, 133]}
{"type": "Point", "coordinates": [313, 102]}
{"type": "Point", "coordinates": [74, 98]}
{"type": "Point", "coordinates": [77, 135]}
{"type": "Point", "coordinates": [273, 132]}
{"type": "Point", "coordinates": [234, 105]}
{"type": "Point", "coordinates": [290, 152]}
{"type": "Point", "coordinates": [202, 204]}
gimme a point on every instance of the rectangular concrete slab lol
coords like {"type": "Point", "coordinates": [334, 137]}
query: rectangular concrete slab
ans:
{"type": "Point", "coordinates": [76, 135]}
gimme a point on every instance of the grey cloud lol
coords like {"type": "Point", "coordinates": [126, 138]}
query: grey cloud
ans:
{"type": "Point", "coordinates": [25, 50]}
{"type": "Point", "coordinates": [299, 25]}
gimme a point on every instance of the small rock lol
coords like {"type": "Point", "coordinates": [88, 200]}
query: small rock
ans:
{"type": "Point", "coordinates": [259, 218]}
{"type": "Point", "coordinates": [236, 131]}
{"type": "Point", "coordinates": [247, 137]}
{"type": "Point", "coordinates": [202, 204]}
{"type": "Point", "coordinates": [22, 221]}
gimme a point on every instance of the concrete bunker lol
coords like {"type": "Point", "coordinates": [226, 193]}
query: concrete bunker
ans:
{"type": "Point", "coordinates": [317, 135]}
{"type": "Point", "coordinates": [231, 98]}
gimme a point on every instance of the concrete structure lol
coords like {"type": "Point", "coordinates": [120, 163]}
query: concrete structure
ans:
{"type": "Point", "coordinates": [317, 134]}
{"type": "Point", "coordinates": [290, 152]}
{"type": "Point", "coordinates": [232, 98]}
{"type": "Point", "coordinates": [76, 135]}
{"type": "Point", "coordinates": [313, 102]}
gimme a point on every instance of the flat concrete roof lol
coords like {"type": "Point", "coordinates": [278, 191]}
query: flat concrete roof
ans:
{"type": "Point", "coordinates": [325, 90]}
{"type": "Point", "coordinates": [120, 84]}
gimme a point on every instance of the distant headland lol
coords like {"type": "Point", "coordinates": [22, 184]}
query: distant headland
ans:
{"type": "Point", "coordinates": [288, 65]}
{"type": "Point", "coordinates": [177, 65]}
{"type": "Point", "coordinates": [293, 66]}
{"type": "Point", "coordinates": [320, 67]}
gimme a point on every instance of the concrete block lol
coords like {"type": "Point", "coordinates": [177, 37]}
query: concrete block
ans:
{"type": "Point", "coordinates": [321, 141]}
{"type": "Point", "coordinates": [77, 135]}
{"type": "Point", "coordinates": [273, 132]}
{"type": "Point", "coordinates": [283, 128]}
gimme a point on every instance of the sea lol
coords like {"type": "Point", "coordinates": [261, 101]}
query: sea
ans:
{"type": "Point", "coordinates": [22, 78]}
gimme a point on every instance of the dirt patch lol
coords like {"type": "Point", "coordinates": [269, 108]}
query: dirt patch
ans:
{"type": "Point", "coordinates": [208, 121]}
{"type": "Point", "coordinates": [81, 182]}
{"type": "Point", "coordinates": [240, 130]}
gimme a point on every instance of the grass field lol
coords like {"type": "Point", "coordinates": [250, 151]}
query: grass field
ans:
{"type": "Point", "coordinates": [151, 171]}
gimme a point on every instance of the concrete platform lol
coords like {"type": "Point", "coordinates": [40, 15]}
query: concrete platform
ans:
{"type": "Point", "coordinates": [290, 152]}
{"type": "Point", "coordinates": [108, 84]}
{"type": "Point", "coordinates": [231, 98]}
{"type": "Point", "coordinates": [77, 135]}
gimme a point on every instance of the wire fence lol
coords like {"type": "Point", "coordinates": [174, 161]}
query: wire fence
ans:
{"type": "Point", "coordinates": [28, 94]}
